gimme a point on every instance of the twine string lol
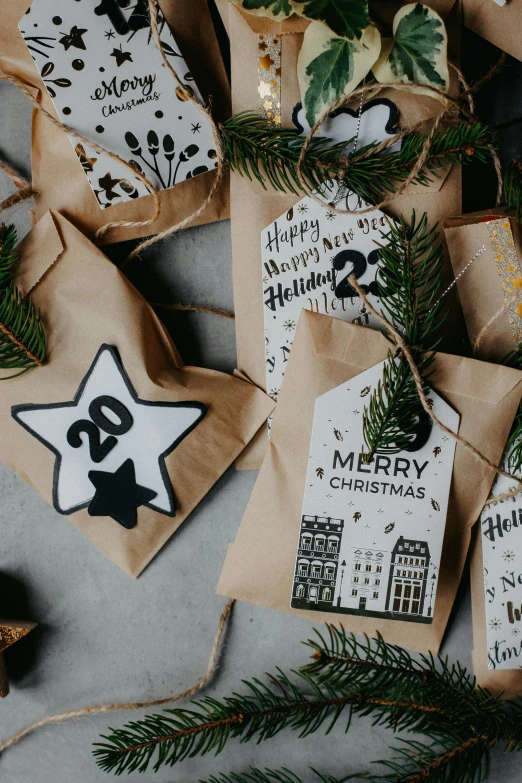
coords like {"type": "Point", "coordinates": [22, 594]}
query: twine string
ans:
{"type": "Point", "coordinates": [408, 355]}
{"type": "Point", "coordinates": [194, 308]}
{"type": "Point", "coordinates": [97, 710]}
{"type": "Point", "coordinates": [22, 185]}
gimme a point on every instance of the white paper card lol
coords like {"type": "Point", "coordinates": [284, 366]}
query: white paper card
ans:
{"type": "Point", "coordinates": [105, 427]}
{"type": "Point", "coordinates": [501, 529]}
{"type": "Point", "coordinates": [106, 78]}
{"type": "Point", "coordinates": [371, 535]}
{"type": "Point", "coordinates": [308, 253]}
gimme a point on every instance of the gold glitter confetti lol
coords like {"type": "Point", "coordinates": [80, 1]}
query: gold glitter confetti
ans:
{"type": "Point", "coordinates": [508, 265]}
{"type": "Point", "coordinates": [269, 75]}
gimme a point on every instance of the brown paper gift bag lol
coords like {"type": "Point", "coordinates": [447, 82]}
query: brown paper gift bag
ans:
{"type": "Point", "coordinates": [482, 295]}
{"type": "Point", "coordinates": [57, 174]}
{"type": "Point", "coordinates": [481, 287]}
{"type": "Point", "coordinates": [327, 352]}
{"type": "Point", "coordinates": [500, 26]}
{"type": "Point", "coordinates": [252, 208]}
{"type": "Point", "coordinates": [85, 303]}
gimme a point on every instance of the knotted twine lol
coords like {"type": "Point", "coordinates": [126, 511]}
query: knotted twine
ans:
{"type": "Point", "coordinates": [406, 351]}
{"type": "Point", "coordinates": [97, 710]}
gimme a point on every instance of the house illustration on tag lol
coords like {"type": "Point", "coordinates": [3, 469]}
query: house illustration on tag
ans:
{"type": "Point", "coordinates": [371, 533]}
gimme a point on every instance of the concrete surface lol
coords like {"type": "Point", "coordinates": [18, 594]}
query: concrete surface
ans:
{"type": "Point", "coordinates": [105, 638]}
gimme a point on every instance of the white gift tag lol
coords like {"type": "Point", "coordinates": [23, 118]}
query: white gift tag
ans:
{"type": "Point", "coordinates": [106, 78]}
{"type": "Point", "coordinates": [501, 531]}
{"type": "Point", "coordinates": [307, 256]}
{"type": "Point", "coordinates": [110, 446]}
{"type": "Point", "coordinates": [371, 535]}
{"type": "Point", "coordinates": [308, 253]}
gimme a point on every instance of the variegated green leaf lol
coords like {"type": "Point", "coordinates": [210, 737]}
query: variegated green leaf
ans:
{"type": "Point", "coordinates": [275, 9]}
{"type": "Point", "coordinates": [330, 66]}
{"type": "Point", "coordinates": [418, 52]}
{"type": "Point", "coordinates": [347, 18]}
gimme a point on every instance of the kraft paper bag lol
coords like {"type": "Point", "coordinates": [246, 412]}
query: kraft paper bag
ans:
{"type": "Point", "coordinates": [327, 352]}
{"type": "Point", "coordinates": [501, 26]}
{"type": "Point", "coordinates": [484, 284]}
{"type": "Point", "coordinates": [57, 174]}
{"type": "Point", "coordinates": [90, 311]}
{"type": "Point", "coordinates": [253, 209]}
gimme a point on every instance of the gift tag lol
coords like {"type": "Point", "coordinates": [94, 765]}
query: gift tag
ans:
{"type": "Point", "coordinates": [371, 535]}
{"type": "Point", "coordinates": [501, 528]}
{"type": "Point", "coordinates": [110, 446]}
{"type": "Point", "coordinates": [106, 78]}
{"type": "Point", "coordinates": [307, 256]}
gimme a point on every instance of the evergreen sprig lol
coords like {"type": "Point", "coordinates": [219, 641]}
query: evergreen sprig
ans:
{"type": "Point", "coordinates": [409, 281]}
{"type": "Point", "coordinates": [269, 154]}
{"type": "Point", "coordinates": [22, 338]}
{"type": "Point", "coordinates": [459, 721]}
{"type": "Point", "coordinates": [512, 187]}
{"type": "Point", "coordinates": [514, 444]}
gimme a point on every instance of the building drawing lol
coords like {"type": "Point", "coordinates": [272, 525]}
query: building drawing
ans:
{"type": "Point", "coordinates": [317, 563]}
{"type": "Point", "coordinates": [410, 562]}
{"type": "Point", "coordinates": [365, 590]}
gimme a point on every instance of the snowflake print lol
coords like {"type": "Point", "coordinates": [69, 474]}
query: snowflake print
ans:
{"type": "Point", "coordinates": [289, 325]}
{"type": "Point", "coordinates": [515, 631]}
{"type": "Point", "coordinates": [495, 624]}
{"type": "Point", "coordinates": [274, 394]}
{"type": "Point", "coordinates": [331, 215]}
{"type": "Point", "coordinates": [302, 208]}
{"type": "Point", "coordinates": [508, 555]}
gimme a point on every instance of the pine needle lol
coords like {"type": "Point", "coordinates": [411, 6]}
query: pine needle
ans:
{"type": "Point", "coordinates": [409, 281]}
{"type": "Point", "coordinates": [261, 152]}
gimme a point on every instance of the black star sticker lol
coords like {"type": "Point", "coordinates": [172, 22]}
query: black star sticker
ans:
{"type": "Point", "coordinates": [121, 56]}
{"type": "Point", "coordinates": [109, 34]}
{"type": "Point", "coordinates": [118, 495]}
{"type": "Point", "coordinates": [74, 38]}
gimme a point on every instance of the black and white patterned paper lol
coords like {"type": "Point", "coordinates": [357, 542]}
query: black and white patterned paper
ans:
{"type": "Point", "coordinates": [106, 78]}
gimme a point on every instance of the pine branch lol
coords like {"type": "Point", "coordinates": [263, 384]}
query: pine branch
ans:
{"type": "Point", "coordinates": [512, 187]}
{"type": "Point", "coordinates": [260, 151]}
{"type": "Point", "coordinates": [410, 284]}
{"type": "Point", "coordinates": [255, 775]}
{"type": "Point", "coordinates": [8, 256]}
{"type": "Point", "coordinates": [22, 338]}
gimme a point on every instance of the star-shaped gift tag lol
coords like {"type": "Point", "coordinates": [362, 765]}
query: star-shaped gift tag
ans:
{"type": "Point", "coordinates": [11, 631]}
{"type": "Point", "coordinates": [110, 446]}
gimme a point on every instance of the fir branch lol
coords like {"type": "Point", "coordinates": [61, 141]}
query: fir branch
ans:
{"type": "Point", "coordinates": [8, 256]}
{"type": "Point", "coordinates": [426, 696]}
{"type": "Point", "coordinates": [514, 444]}
{"type": "Point", "coordinates": [259, 151]}
{"type": "Point", "coordinates": [512, 187]}
{"type": "Point", "coordinates": [22, 338]}
{"type": "Point", "coordinates": [410, 284]}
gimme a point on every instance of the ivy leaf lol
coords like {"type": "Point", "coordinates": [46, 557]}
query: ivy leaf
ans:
{"type": "Point", "coordinates": [418, 52]}
{"type": "Point", "coordinates": [330, 66]}
{"type": "Point", "coordinates": [275, 9]}
{"type": "Point", "coordinates": [347, 18]}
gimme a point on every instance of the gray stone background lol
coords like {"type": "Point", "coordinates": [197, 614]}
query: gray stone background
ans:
{"type": "Point", "coordinates": [103, 637]}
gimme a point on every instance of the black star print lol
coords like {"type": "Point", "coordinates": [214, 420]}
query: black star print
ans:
{"type": "Point", "coordinates": [118, 496]}
{"type": "Point", "coordinates": [121, 56]}
{"type": "Point", "coordinates": [196, 127]}
{"type": "Point", "coordinates": [74, 38]}
{"type": "Point", "coordinates": [109, 34]}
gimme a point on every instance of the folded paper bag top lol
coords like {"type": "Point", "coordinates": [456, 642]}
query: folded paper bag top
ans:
{"type": "Point", "coordinates": [328, 352]}
{"type": "Point", "coordinates": [65, 58]}
{"type": "Point", "coordinates": [113, 430]}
